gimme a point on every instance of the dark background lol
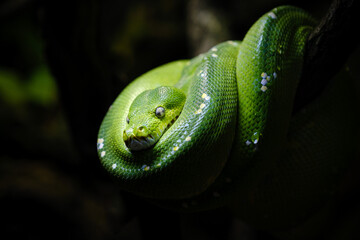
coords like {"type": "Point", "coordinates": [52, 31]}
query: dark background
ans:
{"type": "Point", "coordinates": [62, 63]}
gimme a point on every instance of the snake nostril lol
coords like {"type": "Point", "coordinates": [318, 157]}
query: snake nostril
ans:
{"type": "Point", "coordinates": [141, 131]}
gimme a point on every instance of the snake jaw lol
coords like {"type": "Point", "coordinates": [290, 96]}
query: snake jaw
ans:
{"type": "Point", "coordinates": [137, 143]}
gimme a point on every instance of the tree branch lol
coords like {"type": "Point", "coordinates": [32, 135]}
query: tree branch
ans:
{"type": "Point", "coordinates": [328, 48]}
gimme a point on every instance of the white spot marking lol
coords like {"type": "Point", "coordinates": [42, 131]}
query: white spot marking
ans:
{"type": "Point", "coordinates": [188, 138]}
{"type": "Point", "coordinates": [202, 106]}
{"type": "Point", "coordinates": [205, 96]}
{"type": "Point", "coordinates": [275, 74]}
{"type": "Point", "coordinates": [232, 43]}
{"type": "Point", "coordinates": [176, 148]}
{"type": "Point", "coordinates": [100, 140]}
{"type": "Point", "coordinates": [272, 15]}
{"type": "Point", "coordinates": [198, 111]}
{"type": "Point", "coordinates": [200, 73]}
{"type": "Point", "coordinates": [263, 88]}
{"type": "Point", "coordinates": [102, 153]}
{"type": "Point", "coordinates": [214, 49]}
{"type": "Point", "coordinates": [263, 75]}
{"type": "Point", "coordinates": [247, 142]}
{"type": "Point", "coordinates": [214, 55]}
{"type": "Point", "coordinates": [113, 166]}
{"type": "Point", "coordinates": [264, 82]}
{"type": "Point", "coordinates": [145, 167]}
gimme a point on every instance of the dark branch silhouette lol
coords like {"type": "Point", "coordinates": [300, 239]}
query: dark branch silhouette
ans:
{"type": "Point", "coordinates": [328, 48]}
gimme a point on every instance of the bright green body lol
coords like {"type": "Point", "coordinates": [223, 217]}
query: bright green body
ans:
{"type": "Point", "coordinates": [236, 142]}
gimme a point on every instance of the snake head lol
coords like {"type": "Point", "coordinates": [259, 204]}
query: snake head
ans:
{"type": "Point", "coordinates": [151, 113]}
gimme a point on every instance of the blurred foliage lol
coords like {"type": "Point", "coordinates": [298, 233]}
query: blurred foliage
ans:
{"type": "Point", "coordinates": [39, 193]}
{"type": "Point", "coordinates": [24, 75]}
{"type": "Point", "coordinates": [31, 118]}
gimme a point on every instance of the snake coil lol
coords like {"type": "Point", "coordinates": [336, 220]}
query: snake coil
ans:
{"type": "Point", "coordinates": [235, 142]}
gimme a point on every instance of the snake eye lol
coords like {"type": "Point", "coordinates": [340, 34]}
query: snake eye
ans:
{"type": "Point", "coordinates": [160, 112]}
{"type": "Point", "coordinates": [127, 120]}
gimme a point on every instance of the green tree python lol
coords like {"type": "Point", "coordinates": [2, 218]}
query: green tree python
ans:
{"type": "Point", "coordinates": [219, 131]}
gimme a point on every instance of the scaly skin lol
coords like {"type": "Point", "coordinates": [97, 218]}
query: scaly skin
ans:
{"type": "Point", "coordinates": [235, 142]}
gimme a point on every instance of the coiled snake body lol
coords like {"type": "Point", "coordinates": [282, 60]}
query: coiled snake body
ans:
{"type": "Point", "coordinates": [218, 130]}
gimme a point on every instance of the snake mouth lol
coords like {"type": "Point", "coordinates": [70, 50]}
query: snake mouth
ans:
{"type": "Point", "coordinates": [136, 143]}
